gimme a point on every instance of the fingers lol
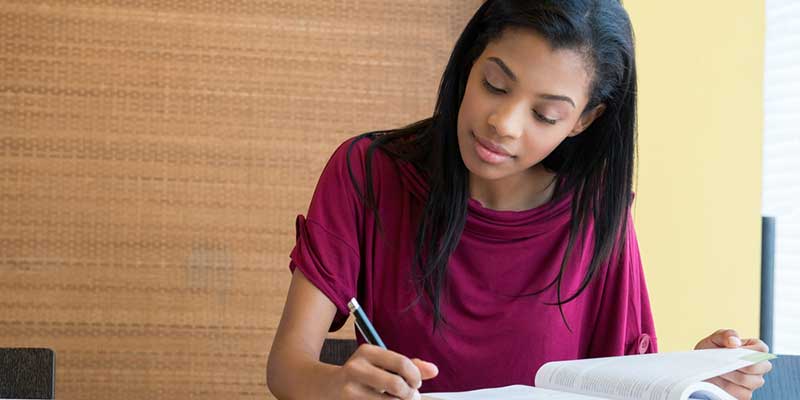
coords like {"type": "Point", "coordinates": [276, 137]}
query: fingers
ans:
{"type": "Point", "coordinates": [353, 390]}
{"type": "Point", "coordinates": [397, 363]}
{"type": "Point", "coordinates": [749, 381]}
{"type": "Point", "coordinates": [737, 391]}
{"type": "Point", "coordinates": [362, 374]}
{"type": "Point", "coordinates": [722, 338]}
{"type": "Point", "coordinates": [757, 369]}
{"type": "Point", "coordinates": [755, 344]}
{"type": "Point", "coordinates": [729, 338]}
{"type": "Point", "coordinates": [381, 371]}
{"type": "Point", "coordinates": [726, 338]}
{"type": "Point", "coordinates": [742, 382]}
{"type": "Point", "coordinates": [427, 370]}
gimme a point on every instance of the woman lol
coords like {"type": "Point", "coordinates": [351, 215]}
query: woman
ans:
{"type": "Point", "coordinates": [492, 237]}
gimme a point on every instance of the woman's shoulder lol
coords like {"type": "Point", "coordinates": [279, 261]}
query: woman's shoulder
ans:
{"type": "Point", "coordinates": [366, 155]}
{"type": "Point", "coordinates": [352, 154]}
{"type": "Point", "coordinates": [355, 157]}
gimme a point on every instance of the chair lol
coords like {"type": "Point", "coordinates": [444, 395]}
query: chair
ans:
{"type": "Point", "coordinates": [27, 373]}
{"type": "Point", "coordinates": [767, 279]}
{"type": "Point", "coordinates": [783, 382]}
{"type": "Point", "coordinates": [337, 351]}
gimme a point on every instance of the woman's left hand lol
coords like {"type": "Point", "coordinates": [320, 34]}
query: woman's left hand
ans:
{"type": "Point", "coordinates": [742, 382]}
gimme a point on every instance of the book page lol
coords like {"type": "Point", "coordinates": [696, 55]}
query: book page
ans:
{"type": "Point", "coordinates": [661, 376]}
{"type": "Point", "coordinates": [514, 392]}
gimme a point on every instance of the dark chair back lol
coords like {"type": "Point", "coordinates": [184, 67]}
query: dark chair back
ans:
{"type": "Point", "coordinates": [783, 382]}
{"type": "Point", "coordinates": [27, 373]}
{"type": "Point", "coordinates": [767, 278]}
{"type": "Point", "coordinates": [337, 351]}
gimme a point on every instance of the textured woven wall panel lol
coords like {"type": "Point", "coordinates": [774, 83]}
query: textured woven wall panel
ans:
{"type": "Point", "coordinates": [153, 157]}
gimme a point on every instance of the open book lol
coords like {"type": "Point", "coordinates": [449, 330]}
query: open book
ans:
{"type": "Point", "coordinates": [660, 376]}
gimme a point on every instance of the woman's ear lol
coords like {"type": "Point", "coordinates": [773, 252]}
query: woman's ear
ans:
{"type": "Point", "coordinates": [586, 119]}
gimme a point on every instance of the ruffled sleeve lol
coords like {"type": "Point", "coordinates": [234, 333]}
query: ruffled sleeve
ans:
{"type": "Point", "coordinates": [624, 323]}
{"type": "Point", "coordinates": [327, 249]}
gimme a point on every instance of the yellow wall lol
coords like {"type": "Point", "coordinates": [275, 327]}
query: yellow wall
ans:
{"type": "Point", "coordinates": [698, 198]}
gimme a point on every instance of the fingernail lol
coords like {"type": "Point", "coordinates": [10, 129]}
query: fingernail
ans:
{"type": "Point", "coordinates": [734, 341]}
{"type": "Point", "coordinates": [419, 385]}
{"type": "Point", "coordinates": [416, 395]}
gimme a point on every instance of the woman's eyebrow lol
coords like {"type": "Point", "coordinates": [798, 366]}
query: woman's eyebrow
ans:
{"type": "Point", "coordinates": [513, 78]}
{"type": "Point", "coordinates": [504, 67]}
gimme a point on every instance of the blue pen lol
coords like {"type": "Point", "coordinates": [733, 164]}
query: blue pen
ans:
{"type": "Point", "coordinates": [368, 331]}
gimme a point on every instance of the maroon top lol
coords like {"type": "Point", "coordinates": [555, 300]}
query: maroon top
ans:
{"type": "Point", "coordinates": [492, 337]}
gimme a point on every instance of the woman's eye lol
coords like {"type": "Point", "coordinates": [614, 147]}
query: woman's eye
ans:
{"type": "Point", "coordinates": [492, 88]}
{"type": "Point", "coordinates": [544, 119]}
{"type": "Point", "coordinates": [538, 116]}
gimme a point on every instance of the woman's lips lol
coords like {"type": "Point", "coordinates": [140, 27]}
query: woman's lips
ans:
{"type": "Point", "coordinates": [490, 152]}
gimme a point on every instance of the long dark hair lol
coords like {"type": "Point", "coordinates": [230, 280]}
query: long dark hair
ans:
{"type": "Point", "coordinates": [596, 166]}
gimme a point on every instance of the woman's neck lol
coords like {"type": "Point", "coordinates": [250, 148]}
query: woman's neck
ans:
{"type": "Point", "coordinates": [514, 193]}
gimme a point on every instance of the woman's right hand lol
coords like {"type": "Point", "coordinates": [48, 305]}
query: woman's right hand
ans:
{"type": "Point", "coordinates": [295, 372]}
{"type": "Point", "coordinates": [376, 373]}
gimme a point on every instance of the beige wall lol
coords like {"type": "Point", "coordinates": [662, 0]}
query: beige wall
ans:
{"type": "Point", "coordinates": [153, 157]}
{"type": "Point", "coordinates": [699, 179]}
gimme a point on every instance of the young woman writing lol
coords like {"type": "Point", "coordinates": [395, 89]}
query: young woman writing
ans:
{"type": "Point", "coordinates": [493, 236]}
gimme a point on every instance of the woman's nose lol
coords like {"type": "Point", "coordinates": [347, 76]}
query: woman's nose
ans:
{"type": "Point", "coordinates": [509, 119]}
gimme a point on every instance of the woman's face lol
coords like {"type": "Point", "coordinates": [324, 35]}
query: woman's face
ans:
{"type": "Point", "coordinates": [521, 101]}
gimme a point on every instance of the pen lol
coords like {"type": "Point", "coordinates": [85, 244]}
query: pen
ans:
{"type": "Point", "coordinates": [368, 331]}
